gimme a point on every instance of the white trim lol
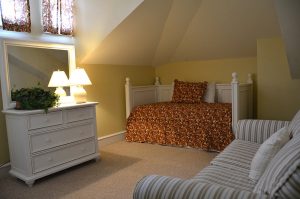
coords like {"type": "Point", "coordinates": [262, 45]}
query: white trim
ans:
{"type": "Point", "coordinates": [110, 139]}
{"type": "Point", "coordinates": [5, 79]}
{"type": "Point", "coordinates": [5, 165]}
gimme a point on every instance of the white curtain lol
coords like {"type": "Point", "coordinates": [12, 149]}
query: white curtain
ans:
{"type": "Point", "coordinates": [15, 15]}
{"type": "Point", "coordinates": [58, 16]}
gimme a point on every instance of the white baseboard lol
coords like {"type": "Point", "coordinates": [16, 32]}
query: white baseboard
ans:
{"type": "Point", "coordinates": [5, 165]}
{"type": "Point", "coordinates": [110, 139]}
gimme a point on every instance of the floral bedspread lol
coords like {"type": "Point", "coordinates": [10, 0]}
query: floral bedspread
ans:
{"type": "Point", "coordinates": [198, 125]}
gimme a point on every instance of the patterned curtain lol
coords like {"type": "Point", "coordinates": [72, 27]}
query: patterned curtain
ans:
{"type": "Point", "coordinates": [16, 15]}
{"type": "Point", "coordinates": [58, 16]}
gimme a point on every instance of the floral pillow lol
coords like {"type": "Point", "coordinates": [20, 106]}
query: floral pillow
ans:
{"type": "Point", "coordinates": [188, 92]}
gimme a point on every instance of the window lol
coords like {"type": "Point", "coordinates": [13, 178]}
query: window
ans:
{"type": "Point", "coordinates": [58, 16]}
{"type": "Point", "coordinates": [1, 16]}
{"type": "Point", "coordinates": [15, 15]}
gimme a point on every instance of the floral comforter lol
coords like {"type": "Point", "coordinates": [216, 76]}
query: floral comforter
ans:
{"type": "Point", "coordinates": [198, 125]}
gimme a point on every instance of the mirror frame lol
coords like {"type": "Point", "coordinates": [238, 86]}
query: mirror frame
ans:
{"type": "Point", "coordinates": [5, 79]}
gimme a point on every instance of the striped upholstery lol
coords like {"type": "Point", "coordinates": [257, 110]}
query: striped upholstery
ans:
{"type": "Point", "coordinates": [257, 130]}
{"type": "Point", "coordinates": [162, 187]}
{"type": "Point", "coordinates": [282, 175]}
{"type": "Point", "coordinates": [238, 155]}
{"type": "Point", "coordinates": [226, 177]}
{"type": "Point", "coordinates": [292, 180]}
{"type": "Point", "coordinates": [294, 126]}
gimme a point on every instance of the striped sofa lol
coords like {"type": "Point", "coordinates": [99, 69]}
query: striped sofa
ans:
{"type": "Point", "coordinates": [227, 175]}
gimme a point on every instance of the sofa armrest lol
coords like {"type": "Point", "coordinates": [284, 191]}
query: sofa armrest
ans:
{"type": "Point", "coordinates": [257, 130]}
{"type": "Point", "coordinates": [163, 187]}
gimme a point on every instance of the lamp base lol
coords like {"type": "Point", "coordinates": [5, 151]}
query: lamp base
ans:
{"type": "Point", "coordinates": [79, 94]}
{"type": "Point", "coordinates": [67, 100]}
{"type": "Point", "coordinates": [60, 91]}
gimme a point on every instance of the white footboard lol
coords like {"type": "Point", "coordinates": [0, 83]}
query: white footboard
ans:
{"type": "Point", "coordinates": [240, 95]}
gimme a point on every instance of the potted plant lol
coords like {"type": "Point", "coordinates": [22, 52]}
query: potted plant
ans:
{"type": "Point", "coordinates": [34, 98]}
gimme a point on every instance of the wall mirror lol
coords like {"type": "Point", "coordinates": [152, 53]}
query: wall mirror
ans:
{"type": "Point", "coordinates": [28, 64]}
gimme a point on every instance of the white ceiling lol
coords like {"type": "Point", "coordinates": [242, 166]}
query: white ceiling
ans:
{"type": "Point", "coordinates": [155, 32]}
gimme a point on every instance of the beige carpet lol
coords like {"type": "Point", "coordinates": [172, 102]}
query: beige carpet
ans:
{"type": "Point", "coordinates": [113, 177]}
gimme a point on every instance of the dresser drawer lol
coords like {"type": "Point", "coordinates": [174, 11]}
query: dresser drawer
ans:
{"type": "Point", "coordinates": [44, 120]}
{"type": "Point", "coordinates": [79, 114]}
{"type": "Point", "coordinates": [62, 155]}
{"type": "Point", "coordinates": [53, 138]}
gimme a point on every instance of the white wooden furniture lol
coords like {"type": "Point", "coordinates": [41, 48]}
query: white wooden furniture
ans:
{"type": "Point", "coordinates": [41, 144]}
{"type": "Point", "coordinates": [240, 95]}
{"type": "Point", "coordinates": [7, 84]}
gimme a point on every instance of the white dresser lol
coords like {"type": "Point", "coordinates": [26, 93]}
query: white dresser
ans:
{"type": "Point", "coordinates": [41, 144]}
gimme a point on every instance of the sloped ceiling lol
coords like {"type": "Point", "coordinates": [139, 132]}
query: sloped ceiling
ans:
{"type": "Point", "coordinates": [158, 32]}
{"type": "Point", "coordinates": [289, 19]}
{"type": "Point", "coordinates": [96, 19]}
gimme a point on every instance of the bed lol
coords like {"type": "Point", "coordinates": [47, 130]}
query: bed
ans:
{"type": "Point", "coordinates": [154, 117]}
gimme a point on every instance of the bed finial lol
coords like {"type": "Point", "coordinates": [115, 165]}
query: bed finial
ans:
{"type": "Point", "coordinates": [250, 80]}
{"type": "Point", "coordinates": [235, 78]}
{"type": "Point", "coordinates": [157, 82]}
{"type": "Point", "coordinates": [127, 80]}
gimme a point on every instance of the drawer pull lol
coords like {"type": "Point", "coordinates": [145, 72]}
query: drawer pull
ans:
{"type": "Point", "coordinates": [50, 159]}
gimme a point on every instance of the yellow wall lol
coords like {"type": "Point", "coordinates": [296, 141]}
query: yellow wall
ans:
{"type": "Point", "coordinates": [109, 90]}
{"type": "Point", "coordinates": [210, 70]}
{"type": "Point", "coordinates": [278, 94]}
{"type": "Point", "coordinates": [4, 157]}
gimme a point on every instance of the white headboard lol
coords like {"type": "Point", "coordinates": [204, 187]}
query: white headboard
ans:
{"type": "Point", "coordinates": [240, 95]}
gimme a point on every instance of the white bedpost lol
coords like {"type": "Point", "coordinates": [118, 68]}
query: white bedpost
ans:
{"type": "Point", "coordinates": [157, 91]}
{"type": "Point", "coordinates": [235, 99]}
{"type": "Point", "coordinates": [250, 95]}
{"type": "Point", "coordinates": [128, 96]}
{"type": "Point", "coordinates": [249, 80]}
{"type": "Point", "coordinates": [157, 82]}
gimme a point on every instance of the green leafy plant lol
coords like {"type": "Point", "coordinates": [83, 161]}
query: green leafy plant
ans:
{"type": "Point", "coordinates": [34, 98]}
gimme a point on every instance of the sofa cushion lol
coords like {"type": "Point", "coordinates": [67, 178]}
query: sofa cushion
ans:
{"type": "Point", "coordinates": [226, 177]}
{"type": "Point", "coordinates": [294, 126]}
{"type": "Point", "coordinates": [267, 151]}
{"type": "Point", "coordinates": [164, 187]}
{"type": "Point", "coordinates": [238, 155]}
{"type": "Point", "coordinates": [282, 173]}
{"type": "Point", "coordinates": [289, 186]}
{"type": "Point", "coordinates": [257, 130]}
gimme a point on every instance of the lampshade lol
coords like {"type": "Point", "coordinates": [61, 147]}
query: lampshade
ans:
{"type": "Point", "coordinates": [79, 77]}
{"type": "Point", "coordinates": [58, 79]}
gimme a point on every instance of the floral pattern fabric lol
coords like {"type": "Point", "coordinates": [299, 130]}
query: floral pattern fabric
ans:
{"type": "Point", "coordinates": [188, 92]}
{"type": "Point", "coordinates": [199, 125]}
{"type": "Point", "coordinates": [58, 16]}
{"type": "Point", "coordinates": [16, 15]}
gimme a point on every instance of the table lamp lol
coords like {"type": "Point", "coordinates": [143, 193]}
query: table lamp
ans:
{"type": "Point", "coordinates": [59, 79]}
{"type": "Point", "coordinates": [79, 78]}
